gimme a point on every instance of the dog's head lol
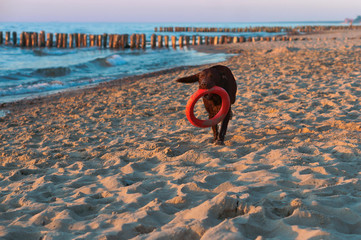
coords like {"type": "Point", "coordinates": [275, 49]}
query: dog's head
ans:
{"type": "Point", "coordinates": [207, 79]}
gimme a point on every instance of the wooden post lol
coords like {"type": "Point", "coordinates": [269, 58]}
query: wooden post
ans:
{"type": "Point", "coordinates": [152, 40]}
{"type": "Point", "coordinates": [180, 41]}
{"type": "Point", "coordinates": [56, 39]}
{"type": "Point", "coordinates": [166, 41]}
{"type": "Point", "coordinates": [115, 41]}
{"type": "Point", "coordinates": [65, 40]}
{"type": "Point", "coordinates": [95, 40]}
{"type": "Point", "coordinates": [186, 40]}
{"type": "Point", "coordinates": [22, 40]}
{"type": "Point", "coordinates": [105, 38]}
{"type": "Point", "coordinates": [121, 41]}
{"type": "Point", "coordinates": [200, 42]}
{"type": "Point", "coordinates": [62, 40]}
{"type": "Point", "coordinates": [33, 39]}
{"type": "Point", "coordinates": [71, 40]}
{"type": "Point", "coordinates": [76, 40]}
{"type": "Point", "coordinates": [222, 39]}
{"type": "Point", "coordinates": [118, 41]}
{"type": "Point", "coordinates": [174, 42]}
{"type": "Point", "coordinates": [91, 40]}
{"type": "Point", "coordinates": [193, 40]}
{"type": "Point", "coordinates": [1, 38]}
{"type": "Point", "coordinates": [59, 41]}
{"type": "Point", "coordinates": [160, 41]}
{"type": "Point", "coordinates": [28, 39]}
{"type": "Point", "coordinates": [206, 42]}
{"type": "Point", "coordinates": [126, 38]}
{"type": "Point", "coordinates": [15, 39]}
{"type": "Point", "coordinates": [215, 41]}
{"type": "Point", "coordinates": [41, 42]}
{"type": "Point", "coordinates": [137, 40]}
{"type": "Point", "coordinates": [79, 41]}
{"type": "Point", "coordinates": [99, 42]}
{"type": "Point", "coordinates": [111, 37]}
{"type": "Point", "coordinates": [132, 41]}
{"type": "Point", "coordinates": [211, 40]}
{"type": "Point", "coordinates": [143, 41]}
{"type": "Point", "coordinates": [235, 39]}
{"type": "Point", "coordinates": [85, 40]}
{"type": "Point", "coordinates": [7, 38]}
{"type": "Point", "coordinates": [36, 39]}
{"type": "Point", "coordinates": [42, 39]}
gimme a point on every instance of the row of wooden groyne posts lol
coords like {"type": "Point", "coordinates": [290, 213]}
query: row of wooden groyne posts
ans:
{"type": "Point", "coordinates": [122, 41]}
{"type": "Point", "coordinates": [303, 29]}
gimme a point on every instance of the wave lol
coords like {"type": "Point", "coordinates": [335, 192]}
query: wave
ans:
{"type": "Point", "coordinates": [53, 72]}
{"type": "Point", "coordinates": [52, 52]}
{"type": "Point", "coordinates": [110, 61]}
{"type": "Point", "coordinates": [92, 65]}
{"type": "Point", "coordinates": [33, 88]}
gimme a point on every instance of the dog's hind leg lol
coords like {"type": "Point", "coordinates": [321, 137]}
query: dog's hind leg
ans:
{"type": "Point", "coordinates": [215, 133]}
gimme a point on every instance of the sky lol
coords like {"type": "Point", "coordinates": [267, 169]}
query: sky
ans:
{"type": "Point", "coordinates": [177, 10]}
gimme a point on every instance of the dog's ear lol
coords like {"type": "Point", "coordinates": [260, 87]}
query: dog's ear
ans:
{"type": "Point", "coordinates": [189, 79]}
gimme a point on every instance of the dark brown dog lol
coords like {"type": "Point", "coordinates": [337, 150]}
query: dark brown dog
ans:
{"type": "Point", "coordinates": [220, 76]}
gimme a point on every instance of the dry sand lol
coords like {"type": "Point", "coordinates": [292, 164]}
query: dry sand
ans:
{"type": "Point", "coordinates": [121, 161]}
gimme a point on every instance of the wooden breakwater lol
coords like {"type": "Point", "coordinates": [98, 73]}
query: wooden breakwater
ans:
{"type": "Point", "coordinates": [123, 41]}
{"type": "Point", "coordinates": [136, 41]}
{"type": "Point", "coordinates": [72, 40]}
{"type": "Point", "coordinates": [303, 29]}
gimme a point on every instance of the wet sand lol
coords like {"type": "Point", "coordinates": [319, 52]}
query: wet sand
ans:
{"type": "Point", "coordinates": [121, 161]}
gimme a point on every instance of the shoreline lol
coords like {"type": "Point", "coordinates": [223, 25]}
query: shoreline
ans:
{"type": "Point", "coordinates": [221, 48]}
{"type": "Point", "coordinates": [120, 160]}
{"type": "Point", "coordinates": [31, 101]}
{"type": "Point", "coordinates": [28, 101]}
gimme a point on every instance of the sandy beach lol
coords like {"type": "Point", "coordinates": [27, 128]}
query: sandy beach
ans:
{"type": "Point", "coordinates": [121, 161]}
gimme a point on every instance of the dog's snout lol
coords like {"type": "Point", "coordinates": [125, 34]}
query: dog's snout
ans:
{"type": "Point", "coordinates": [203, 85]}
{"type": "Point", "coordinates": [206, 85]}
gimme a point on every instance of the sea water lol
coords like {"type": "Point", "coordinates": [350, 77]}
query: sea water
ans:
{"type": "Point", "coordinates": [26, 73]}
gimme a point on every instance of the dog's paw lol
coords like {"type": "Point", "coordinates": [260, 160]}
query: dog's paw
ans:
{"type": "Point", "coordinates": [212, 140]}
{"type": "Point", "coordinates": [219, 142]}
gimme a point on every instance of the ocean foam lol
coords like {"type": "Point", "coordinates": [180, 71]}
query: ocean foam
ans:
{"type": "Point", "coordinates": [115, 60]}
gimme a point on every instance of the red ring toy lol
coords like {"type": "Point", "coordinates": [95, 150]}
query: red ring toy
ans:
{"type": "Point", "coordinates": [219, 116]}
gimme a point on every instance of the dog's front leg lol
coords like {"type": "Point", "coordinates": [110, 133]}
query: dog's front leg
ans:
{"type": "Point", "coordinates": [222, 132]}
